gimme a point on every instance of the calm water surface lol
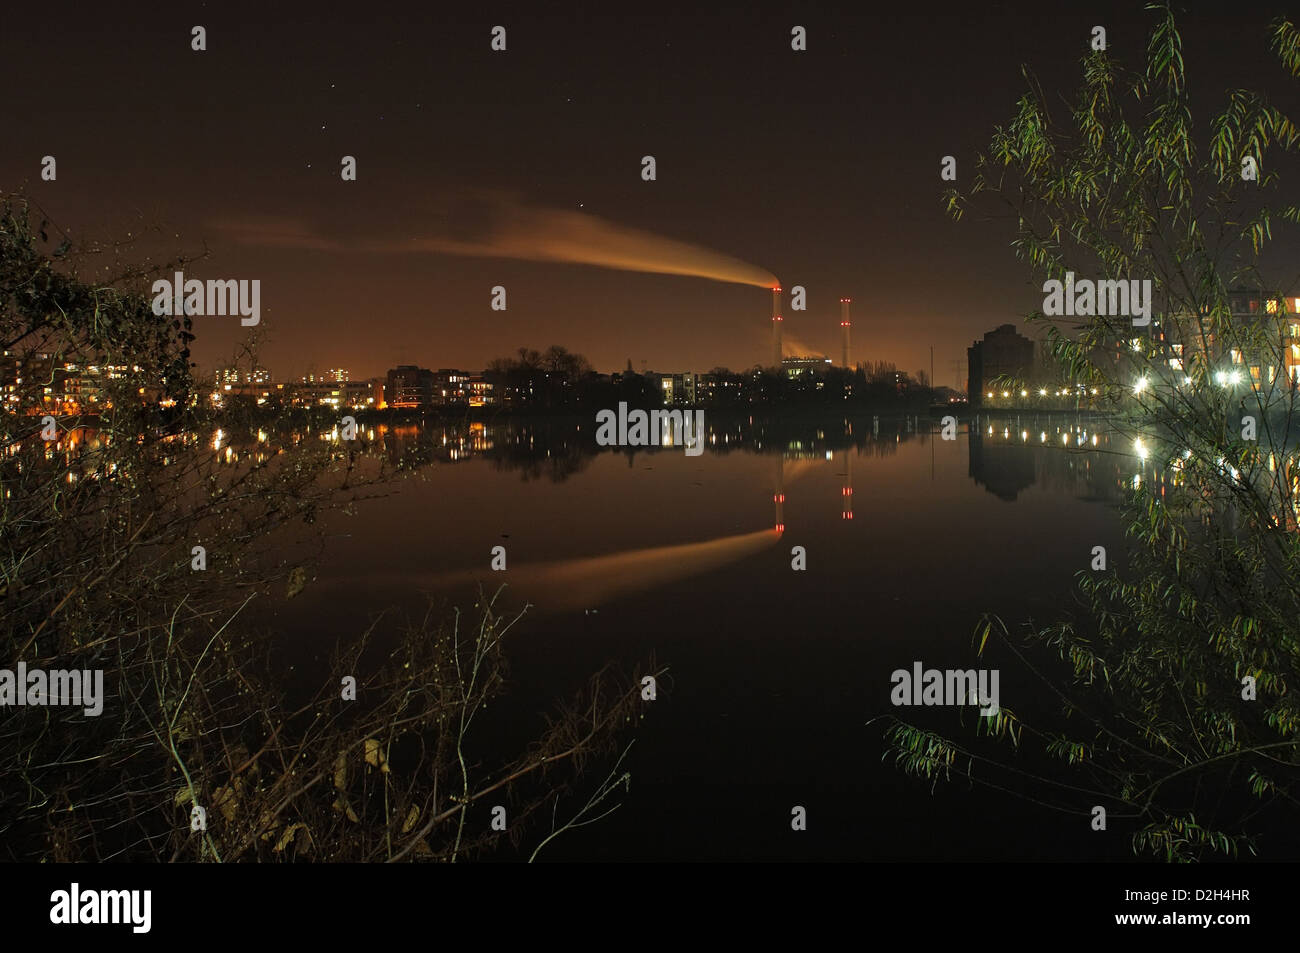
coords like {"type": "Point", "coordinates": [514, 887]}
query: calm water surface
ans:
{"type": "Point", "coordinates": [774, 673]}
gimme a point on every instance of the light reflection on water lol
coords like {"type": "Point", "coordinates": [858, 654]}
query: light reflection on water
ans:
{"type": "Point", "coordinates": [774, 672]}
{"type": "Point", "coordinates": [909, 539]}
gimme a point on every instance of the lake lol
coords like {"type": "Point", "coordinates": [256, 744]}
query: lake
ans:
{"type": "Point", "coordinates": [774, 672]}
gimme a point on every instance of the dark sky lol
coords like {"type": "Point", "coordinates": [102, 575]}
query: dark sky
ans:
{"type": "Point", "coordinates": [821, 167]}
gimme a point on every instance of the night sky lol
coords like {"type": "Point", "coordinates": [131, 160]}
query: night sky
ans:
{"type": "Point", "coordinates": [821, 167]}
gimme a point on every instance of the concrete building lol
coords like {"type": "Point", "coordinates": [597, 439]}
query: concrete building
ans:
{"type": "Point", "coordinates": [41, 380]}
{"type": "Point", "coordinates": [231, 374]}
{"type": "Point", "coordinates": [1262, 347]}
{"type": "Point", "coordinates": [798, 366]}
{"type": "Point", "coordinates": [409, 386]}
{"type": "Point", "coordinates": [479, 392]}
{"type": "Point", "coordinates": [1002, 352]}
{"type": "Point", "coordinates": [679, 388]}
{"type": "Point", "coordinates": [1275, 323]}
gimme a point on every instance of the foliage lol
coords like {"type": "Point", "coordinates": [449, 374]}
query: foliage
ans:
{"type": "Point", "coordinates": [98, 529]}
{"type": "Point", "coordinates": [1158, 725]}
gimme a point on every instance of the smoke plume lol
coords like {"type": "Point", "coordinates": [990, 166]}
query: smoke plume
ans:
{"type": "Point", "coordinates": [490, 225]}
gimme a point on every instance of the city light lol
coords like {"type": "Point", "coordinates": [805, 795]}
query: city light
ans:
{"type": "Point", "coordinates": [1141, 449]}
{"type": "Point", "coordinates": [1140, 386]}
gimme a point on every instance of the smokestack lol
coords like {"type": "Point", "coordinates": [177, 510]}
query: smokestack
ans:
{"type": "Point", "coordinates": [776, 327]}
{"type": "Point", "coordinates": [845, 323]}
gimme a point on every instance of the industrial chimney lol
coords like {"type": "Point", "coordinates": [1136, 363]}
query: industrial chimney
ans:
{"type": "Point", "coordinates": [776, 328]}
{"type": "Point", "coordinates": [845, 324]}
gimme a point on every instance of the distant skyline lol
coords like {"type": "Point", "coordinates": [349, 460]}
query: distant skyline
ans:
{"type": "Point", "coordinates": [819, 167]}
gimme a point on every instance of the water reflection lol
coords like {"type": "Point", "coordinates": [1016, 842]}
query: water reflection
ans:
{"type": "Point", "coordinates": [1003, 468]}
{"type": "Point", "coordinates": [807, 459]}
{"type": "Point", "coordinates": [592, 581]}
{"type": "Point", "coordinates": [1072, 456]}
{"type": "Point", "coordinates": [1006, 455]}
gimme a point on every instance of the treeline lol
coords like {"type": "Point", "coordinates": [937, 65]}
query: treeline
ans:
{"type": "Point", "coordinates": [559, 379]}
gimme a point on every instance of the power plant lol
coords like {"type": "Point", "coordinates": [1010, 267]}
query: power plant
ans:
{"type": "Point", "coordinates": [846, 331]}
{"type": "Point", "coordinates": [776, 327]}
{"type": "Point", "coordinates": [846, 324]}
